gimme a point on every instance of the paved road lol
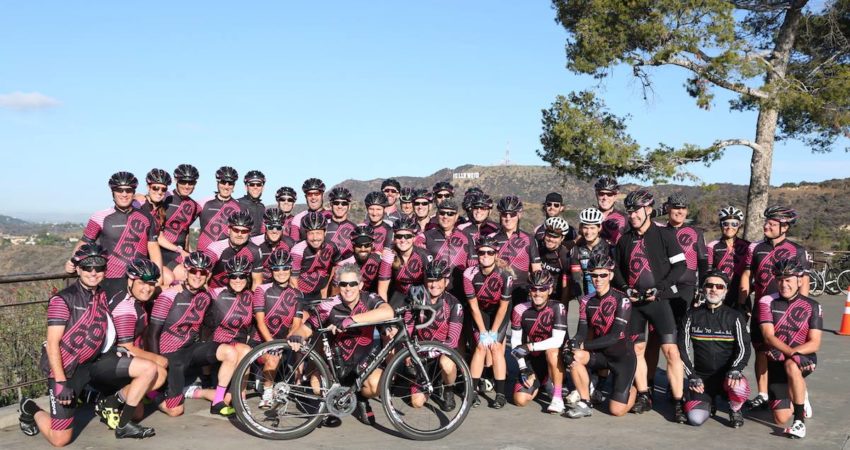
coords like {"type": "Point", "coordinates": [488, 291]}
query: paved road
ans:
{"type": "Point", "coordinates": [517, 428]}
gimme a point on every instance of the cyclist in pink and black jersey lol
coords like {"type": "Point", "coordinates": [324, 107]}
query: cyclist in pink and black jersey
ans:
{"type": "Point", "coordinates": [555, 259]}
{"type": "Point", "coordinates": [553, 206]}
{"type": "Point", "coordinates": [365, 257]}
{"type": "Point", "coordinates": [339, 227]}
{"type": "Point", "coordinates": [729, 253]}
{"type": "Point", "coordinates": [405, 201]}
{"type": "Point", "coordinates": [158, 181]}
{"type": "Point", "coordinates": [448, 243]}
{"type": "Point", "coordinates": [180, 212]}
{"type": "Point", "coordinates": [272, 239]}
{"type": "Point", "coordinates": [422, 209]}
{"type": "Point", "coordinates": [516, 247]}
{"type": "Point", "coordinates": [230, 316]}
{"type": "Point", "coordinates": [375, 218]}
{"type": "Point", "coordinates": [313, 258]}
{"type": "Point", "coordinates": [402, 265]}
{"type": "Point", "coordinates": [285, 198]}
{"type": "Point", "coordinates": [392, 189]}
{"type": "Point", "coordinates": [314, 193]}
{"type": "Point", "coordinates": [615, 223]}
{"type": "Point", "coordinates": [252, 202]}
{"type": "Point", "coordinates": [216, 210]}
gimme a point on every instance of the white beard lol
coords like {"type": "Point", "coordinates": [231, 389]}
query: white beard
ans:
{"type": "Point", "coordinates": [714, 299]}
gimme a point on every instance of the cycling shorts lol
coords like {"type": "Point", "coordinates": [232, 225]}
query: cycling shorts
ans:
{"type": "Point", "coordinates": [622, 370]}
{"type": "Point", "coordinates": [659, 314]}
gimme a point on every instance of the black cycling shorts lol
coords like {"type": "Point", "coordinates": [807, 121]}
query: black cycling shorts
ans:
{"type": "Point", "coordinates": [777, 378]}
{"type": "Point", "coordinates": [622, 370]}
{"type": "Point", "coordinates": [487, 318]}
{"type": "Point", "coordinates": [180, 362]}
{"type": "Point", "coordinates": [659, 314]}
{"type": "Point", "coordinates": [540, 367]}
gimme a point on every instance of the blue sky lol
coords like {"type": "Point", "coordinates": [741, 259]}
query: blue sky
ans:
{"type": "Point", "coordinates": [331, 89]}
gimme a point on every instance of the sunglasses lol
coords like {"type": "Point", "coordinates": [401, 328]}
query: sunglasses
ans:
{"type": "Point", "coordinates": [444, 195]}
{"type": "Point", "coordinates": [718, 286]}
{"type": "Point", "coordinates": [187, 182]}
{"type": "Point", "coordinates": [237, 276]}
{"type": "Point", "coordinates": [509, 215]}
{"type": "Point", "coordinates": [88, 268]}
{"type": "Point", "coordinates": [254, 184]}
{"type": "Point", "coordinates": [240, 230]}
{"type": "Point", "coordinates": [421, 203]}
{"type": "Point", "coordinates": [730, 224]}
{"type": "Point", "coordinates": [339, 203]}
{"type": "Point", "coordinates": [313, 194]}
{"type": "Point", "coordinates": [366, 245]}
{"type": "Point", "coordinates": [486, 252]}
{"type": "Point", "coordinates": [605, 194]}
{"type": "Point", "coordinates": [599, 275]}
{"type": "Point", "coordinates": [124, 190]}
{"type": "Point", "coordinates": [552, 205]}
{"type": "Point", "coordinates": [403, 236]}
{"type": "Point", "coordinates": [390, 191]}
{"type": "Point", "coordinates": [158, 188]}
{"type": "Point", "coordinates": [274, 227]}
{"type": "Point", "coordinates": [343, 284]}
{"type": "Point", "coordinates": [280, 268]}
{"type": "Point", "coordinates": [447, 213]}
{"type": "Point", "coordinates": [480, 207]}
{"type": "Point", "coordinates": [554, 235]}
{"type": "Point", "coordinates": [538, 288]}
{"type": "Point", "coordinates": [201, 272]}
{"type": "Point", "coordinates": [286, 200]}
{"type": "Point", "coordinates": [226, 182]}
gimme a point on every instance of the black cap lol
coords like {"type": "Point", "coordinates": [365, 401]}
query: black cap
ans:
{"type": "Point", "coordinates": [554, 197]}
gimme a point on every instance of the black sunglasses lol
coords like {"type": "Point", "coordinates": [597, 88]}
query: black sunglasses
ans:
{"type": "Point", "coordinates": [286, 199]}
{"type": "Point", "coordinates": [343, 284]}
{"type": "Point", "coordinates": [158, 188]}
{"type": "Point", "coordinates": [124, 190]}
{"type": "Point", "coordinates": [599, 275]}
{"type": "Point", "coordinates": [718, 286]}
{"type": "Point", "coordinates": [403, 236]}
{"type": "Point", "coordinates": [188, 182]}
{"type": "Point", "coordinates": [444, 195]}
{"type": "Point", "coordinates": [486, 252]}
{"type": "Point", "coordinates": [421, 203]}
{"type": "Point", "coordinates": [274, 227]}
{"type": "Point", "coordinates": [238, 276]}
{"type": "Point", "coordinates": [254, 184]}
{"type": "Point", "coordinates": [509, 214]}
{"type": "Point", "coordinates": [390, 191]}
{"type": "Point", "coordinates": [447, 213]}
{"type": "Point", "coordinates": [552, 205]}
{"type": "Point", "coordinates": [339, 203]}
{"type": "Point", "coordinates": [88, 268]}
{"type": "Point", "coordinates": [226, 182]}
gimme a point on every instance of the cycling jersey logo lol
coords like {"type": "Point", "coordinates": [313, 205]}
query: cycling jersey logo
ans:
{"type": "Point", "coordinates": [542, 327]}
{"type": "Point", "coordinates": [638, 264]}
{"type": "Point", "coordinates": [793, 328]}
{"type": "Point", "coordinates": [604, 315]}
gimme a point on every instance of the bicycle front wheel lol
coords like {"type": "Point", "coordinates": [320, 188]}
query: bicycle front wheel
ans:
{"type": "Point", "coordinates": [416, 413]}
{"type": "Point", "coordinates": [278, 393]}
{"type": "Point", "coordinates": [844, 280]}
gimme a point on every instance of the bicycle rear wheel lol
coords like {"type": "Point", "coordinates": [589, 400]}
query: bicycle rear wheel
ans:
{"type": "Point", "coordinates": [414, 412]}
{"type": "Point", "coordinates": [831, 282]}
{"type": "Point", "coordinates": [816, 284]}
{"type": "Point", "coordinates": [297, 381]}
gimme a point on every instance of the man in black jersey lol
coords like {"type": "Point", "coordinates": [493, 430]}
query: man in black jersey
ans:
{"type": "Point", "coordinates": [251, 201]}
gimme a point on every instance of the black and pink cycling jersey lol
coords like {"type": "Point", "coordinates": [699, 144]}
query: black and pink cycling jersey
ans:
{"type": "Point", "coordinates": [339, 235]}
{"type": "Point", "coordinates": [614, 227]}
{"type": "Point", "coordinates": [222, 251]}
{"type": "Point", "coordinates": [407, 274]}
{"type": "Point", "coordinates": [130, 320]}
{"type": "Point", "coordinates": [256, 209]}
{"type": "Point", "coordinates": [281, 306]}
{"type": "Point", "coordinates": [792, 319]}
{"type": "Point", "coordinates": [731, 260]}
{"type": "Point", "coordinates": [557, 263]}
{"type": "Point", "coordinates": [368, 270]}
{"type": "Point", "coordinates": [353, 344]}
{"type": "Point", "coordinates": [383, 233]}
{"type": "Point", "coordinates": [312, 266]}
{"type": "Point", "coordinates": [230, 317]}
{"type": "Point", "coordinates": [180, 213]}
{"type": "Point", "coordinates": [761, 256]}
{"type": "Point", "coordinates": [537, 325]}
{"type": "Point", "coordinates": [296, 232]}
{"type": "Point", "coordinates": [604, 320]}
{"type": "Point", "coordinates": [453, 249]}
{"type": "Point", "coordinates": [488, 289]}
{"type": "Point", "coordinates": [447, 325]}
{"type": "Point", "coordinates": [123, 234]}
{"type": "Point", "coordinates": [696, 254]}
{"type": "Point", "coordinates": [179, 314]}
{"type": "Point", "coordinates": [213, 219]}
{"type": "Point", "coordinates": [520, 251]}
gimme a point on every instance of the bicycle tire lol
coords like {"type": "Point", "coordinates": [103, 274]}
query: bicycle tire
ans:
{"type": "Point", "coordinates": [816, 284]}
{"type": "Point", "coordinates": [843, 280]}
{"type": "Point", "coordinates": [253, 418]}
{"type": "Point", "coordinates": [397, 377]}
{"type": "Point", "coordinates": [830, 279]}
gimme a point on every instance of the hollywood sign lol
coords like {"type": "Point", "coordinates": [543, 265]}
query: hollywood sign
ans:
{"type": "Point", "coordinates": [465, 175]}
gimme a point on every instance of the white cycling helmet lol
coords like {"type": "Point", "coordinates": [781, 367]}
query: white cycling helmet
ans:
{"type": "Point", "coordinates": [731, 212]}
{"type": "Point", "coordinates": [590, 216]}
{"type": "Point", "coordinates": [557, 224]}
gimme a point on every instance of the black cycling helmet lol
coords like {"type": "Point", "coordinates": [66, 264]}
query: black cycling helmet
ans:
{"type": "Point", "coordinates": [509, 203]}
{"type": "Point", "coordinates": [198, 260]}
{"type": "Point", "coordinates": [186, 172]}
{"type": "Point", "coordinates": [280, 259]}
{"type": "Point", "coordinates": [443, 186]}
{"type": "Point", "coordinates": [423, 194]}
{"type": "Point", "coordinates": [91, 254]}
{"type": "Point", "coordinates": [677, 200]}
{"type": "Point", "coordinates": [391, 182]}
{"type": "Point", "coordinates": [540, 278]}
{"type": "Point", "coordinates": [142, 269]}
{"type": "Point", "coordinates": [781, 214]}
{"type": "Point", "coordinates": [241, 219]}
{"type": "Point", "coordinates": [119, 179]}
{"type": "Point", "coordinates": [468, 200]}
{"type": "Point", "coordinates": [314, 220]}
{"type": "Point", "coordinates": [405, 194]}
{"type": "Point", "coordinates": [273, 217]}
{"type": "Point", "coordinates": [437, 269]}
{"type": "Point", "coordinates": [487, 241]}
{"type": "Point", "coordinates": [362, 234]}
{"type": "Point", "coordinates": [606, 184]}
{"type": "Point", "coordinates": [638, 199]}
{"type": "Point", "coordinates": [339, 193]}
{"type": "Point", "coordinates": [715, 273]}
{"type": "Point", "coordinates": [600, 261]}
{"type": "Point", "coordinates": [238, 265]}
{"type": "Point", "coordinates": [405, 223]}
{"type": "Point", "coordinates": [448, 204]}
{"type": "Point", "coordinates": [285, 191]}
{"type": "Point", "coordinates": [255, 175]}
{"type": "Point", "coordinates": [418, 295]}
{"type": "Point", "coordinates": [473, 190]}
{"type": "Point", "coordinates": [313, 184]}
{"type": "Point", "coordinates": [158, 176]}
{"type": "Point", "coordinates": [787, 268]}
{"type": "Point", "coordinates": [226, 173]}
{"type": "Point", "coordinates": [376, 198]}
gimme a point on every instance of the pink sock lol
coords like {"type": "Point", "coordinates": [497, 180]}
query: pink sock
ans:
{"type": "Point", "coordinates": [220, 391]}
{"type": "Point", "coordinates": [556, 393]}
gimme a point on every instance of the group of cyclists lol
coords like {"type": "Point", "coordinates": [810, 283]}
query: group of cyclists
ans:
{"type": "Point", "coordinates": [149, 313]}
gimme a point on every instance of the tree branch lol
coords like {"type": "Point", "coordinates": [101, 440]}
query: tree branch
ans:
{"type": "Point", "coordinates": [726, 84]}
{"type": "Point", "coordinates": [764, 5]}
{"type": "Point", "coordinates": [730, 142]}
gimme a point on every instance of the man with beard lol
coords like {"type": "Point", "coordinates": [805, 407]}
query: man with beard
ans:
{"type": "Point", "coordinates": [365, 257]}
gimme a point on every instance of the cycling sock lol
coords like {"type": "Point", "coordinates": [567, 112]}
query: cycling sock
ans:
{"type": "Point", "coordinates": [30, 408]}
{"type": "Point", "coordinates": [113, 402]}
{"type": "Point", "coordinates": [120, 397]}
{"type": "Point", "coordinates": [220, 392]}
{"type": "Point", "coordinates": [799, 412]}
{"type": "Point", "coordinates": [475, 382]}
{"type": "Point", "coordinates": [500, 387]}
{"type": "Point", "coordinates": [126, 415]}
{"type": "Point", "coordinates": [488, 372]}
{"type": "Point", "coordinates": [557, 391]}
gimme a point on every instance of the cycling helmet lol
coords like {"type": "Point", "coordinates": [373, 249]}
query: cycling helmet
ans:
{"type": "Point", "coordinates": [241, 219]}
{"type": "Point", "coordinates": [391, 182]}
{"type": "Point", "coordinates": [238, 265]}
{"type": "Point", "coordinates": [448, 204]}
{"type": "Point", "coordinates": [123, 179]}
{"type": "Point", "coordinates": [362, 234]}
{"type": "Point", "coordinates": [142, 269]}
{"type": "Point", "coordinates": [226, 173]}
{"type": "Point", "coordinates": [541, 278]}
{"type": "Point", "coordinates": [158, 176]}
{"type": "Point", "coordinates": [781, 214]}
{"type": "Point", "coordinates": [787, 268]}
{"type": "Point", "coordinates": [443, 186]}
{"type": "Point", "coordinates": [715, 273]}
{"type": "Point", "coordinates": [638, 199]}
{"type": "Point", "coordinates": [280, 259]}
{"type": "Point", "coordinates": [406, 194]}
{"type": "Point", "coordinates": [469, 200]}
{"type": "Point", "coordinates": [313, 184]}
{"type": "Point", "coordinates": [437, 270]}
{"type": "Point", "coordinates": [731, 212]}
{"type": "Point", "coordinates": [590, 216]}
{"type": "Point", "coordinates": [255, 175]}
{"type": "Point", "coordinates": [339, 193]}
{"type": "Point", "coordinates": [606, 184]}
{"type": "Point", "coordinates": [600, 261]}
{"type": "Point", "coordinates": [376, 198]}
{"type": "Point", "coordinates": [186, 172]}
{"type": "Point", "coordinates": [485, 201]}
{"type": "Point", "coordinates": [510, 203]}
{"type": "Point", "coordinates": [418, 295]}
{"type": "Point", "coordinates": [557, 224]}
{"type": "Point", "coordinates": [406, 223]}
{"type": "Point", "coordinates": [198, 260]}
{"type": "Point", "coordinates": [93, 254]}
{"type": "Point", "coordinates": [314, 220]}
{"type": "Point", "coordinates": [473, 190]}
{"type": "Point", "coordinates": [487, 241]}
{"type": "Point", "coordinates": [273, 217]}
{"type": "Point", "coordinates": [677, 200]}
{"type": "Point", "coordinates": [285, 191]}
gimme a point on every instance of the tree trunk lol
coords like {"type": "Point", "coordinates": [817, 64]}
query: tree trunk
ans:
{"type": "Point", "coordinates": [762, 161]}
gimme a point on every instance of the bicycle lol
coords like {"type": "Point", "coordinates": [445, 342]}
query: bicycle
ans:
{"type": "Point", "coordinates": [824, 280]}
{"type": "Point", "coordinates": [307, 389]}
